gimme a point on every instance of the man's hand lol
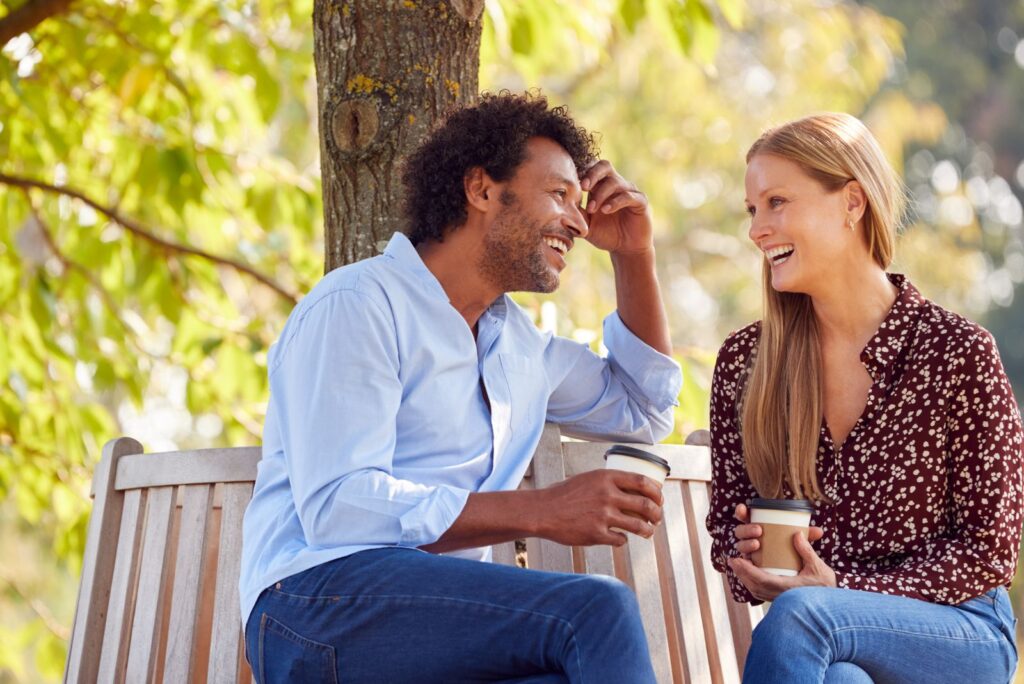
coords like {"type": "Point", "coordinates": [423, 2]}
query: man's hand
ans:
{"type": "Point", "coordinates": [582, 510]}
{"type": "Point", "coordinates": [765, 586]}
{"type": "Point", "coordinates": [617, 212]}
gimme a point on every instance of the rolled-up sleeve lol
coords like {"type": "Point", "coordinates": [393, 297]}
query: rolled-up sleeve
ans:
{"type": "Point", "coordinates": [338, 421]}
{"type": "Point", "coordinates": [629, 395]}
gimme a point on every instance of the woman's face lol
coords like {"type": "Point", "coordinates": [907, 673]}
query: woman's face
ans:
{"type": "Point", "coordinates": [801, 228]}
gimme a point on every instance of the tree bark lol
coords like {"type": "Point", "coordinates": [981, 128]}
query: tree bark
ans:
{"type": "Point", "coordinates": [386, 71]}
{"type": "Point", "coordinates": [28, 16]}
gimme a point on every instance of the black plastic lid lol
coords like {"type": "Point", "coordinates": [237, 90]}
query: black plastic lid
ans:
{"type": "Point", "coordinates": [798, 505]}
{"type": "Point", "coordinates": [624, 450]}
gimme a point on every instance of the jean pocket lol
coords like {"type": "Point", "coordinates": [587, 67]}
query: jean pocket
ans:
{"type": "Point", "coordinates": [287, 656]}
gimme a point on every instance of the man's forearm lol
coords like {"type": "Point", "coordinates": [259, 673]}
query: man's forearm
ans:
{"type": "Point", "coordinates": [638, 298]}
{"type": "Point", "coordinates": [491, 518]}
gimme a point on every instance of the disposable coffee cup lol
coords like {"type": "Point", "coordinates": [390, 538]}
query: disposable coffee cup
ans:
{"type": "Point", "coordinates": [780, 519]}
{"type": "Point", "coordinates": [633, 460]}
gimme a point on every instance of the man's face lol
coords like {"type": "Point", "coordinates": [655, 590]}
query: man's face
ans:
{"type": "Point", "coordinates": [538, 219]}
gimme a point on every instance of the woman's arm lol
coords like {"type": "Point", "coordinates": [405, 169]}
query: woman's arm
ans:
{"type": "Point", "coordinates": [730, 485]}
{"type": "Point", "coordinates": [984, 452]}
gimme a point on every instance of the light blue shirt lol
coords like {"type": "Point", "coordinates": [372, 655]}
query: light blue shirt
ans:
{"type": "Point", "coordinates": [377, 430]}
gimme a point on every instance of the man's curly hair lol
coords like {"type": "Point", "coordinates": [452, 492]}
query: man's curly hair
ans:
{"type": "Point", "coordinates": [490, 134]}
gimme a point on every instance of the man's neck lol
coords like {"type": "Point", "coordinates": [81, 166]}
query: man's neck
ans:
{"type": "Point", "coordinates": [454, 264]}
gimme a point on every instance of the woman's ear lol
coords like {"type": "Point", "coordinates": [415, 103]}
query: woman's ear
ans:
{"type": "Point", "coordinates": [855, 200]}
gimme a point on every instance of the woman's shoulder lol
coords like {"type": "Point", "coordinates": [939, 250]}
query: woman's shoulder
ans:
{"type": "Point", "coordinates": [950, 333]}
{"type": "Point", "coordinates": [736, 352]}
{"type": "Point", "coordinates": [740, 344]}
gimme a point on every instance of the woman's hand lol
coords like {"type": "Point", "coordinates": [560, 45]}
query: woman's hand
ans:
{"type": "Point", "coordinates": [765, 586]}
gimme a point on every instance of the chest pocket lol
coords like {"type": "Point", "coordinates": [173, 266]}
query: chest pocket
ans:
{"type": "Point", "coordinates": [526, 390]}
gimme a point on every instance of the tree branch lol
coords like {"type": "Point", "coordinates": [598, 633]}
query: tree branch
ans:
{"type": "Point", "coordinates": [28, 16]}
{"type": "Point", "coordinates": [139, 231]}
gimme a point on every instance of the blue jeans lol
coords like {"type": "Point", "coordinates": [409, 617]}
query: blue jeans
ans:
{"type": "Point", "coordinates": [817, 634]}
{"type": "Point", "coordinates": [400, 615]}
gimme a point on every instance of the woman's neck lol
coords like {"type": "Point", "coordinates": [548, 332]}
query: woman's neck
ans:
{"type": "Point", "coordinates": [851, 310]}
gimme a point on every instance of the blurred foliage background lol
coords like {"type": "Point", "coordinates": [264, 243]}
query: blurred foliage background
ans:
{"type": "Point", "coordinates": [160, 207]}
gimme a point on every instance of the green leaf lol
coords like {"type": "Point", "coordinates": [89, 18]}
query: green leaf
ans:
{"type": "Point", "coordinates": [733, 11]}
{"type": "Point", "coordinates": [631, 12]}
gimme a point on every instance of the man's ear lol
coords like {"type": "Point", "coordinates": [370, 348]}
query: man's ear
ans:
{"type": "Point", "coordinates": [855, 199]}
{"type": "Point", "coordinates": [481, 190]}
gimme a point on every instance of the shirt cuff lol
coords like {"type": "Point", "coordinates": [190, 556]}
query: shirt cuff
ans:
{"type": "Point", "coordinates": [653, 375]}
{"type": "Point", "coordinates": [429, 519]}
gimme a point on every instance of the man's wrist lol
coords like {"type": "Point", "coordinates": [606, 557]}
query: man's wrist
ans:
{"type": "Point", "coordinates": [642, 258]}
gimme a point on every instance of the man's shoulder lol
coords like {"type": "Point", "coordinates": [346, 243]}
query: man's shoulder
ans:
{"type": "Point", "coordinates": [372, 278]}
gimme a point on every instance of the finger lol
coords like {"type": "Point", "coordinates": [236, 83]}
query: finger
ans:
{"type": "Point", "coordinates": [639, 527]}
{"type": "Point", "coordinates": [613, 538]}
{"type": "Point", "coordinates": [595, 173]}
{"type": "Point", "coordinates": [803, 547]}
{"type": "Point", "coordinates": [605, 189]}
{"type": "Point", "coordinates": [815, 533]}
{"type": "Point", "coordinates": [631, 200]}
{"type": "Point", "coordinates": [747, 531]}
{"type": "Point", "coordinates": [638, 484]}
{"type": "Point", "coordinates": [741, 513]}
{"type": "Point", "coordinates": [641, 506]}
{"type": "Point", "coordinates": [748, 546]}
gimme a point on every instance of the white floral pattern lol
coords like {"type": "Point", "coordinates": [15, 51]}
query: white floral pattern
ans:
{"type": "Point", "coordinates": [927, 492]}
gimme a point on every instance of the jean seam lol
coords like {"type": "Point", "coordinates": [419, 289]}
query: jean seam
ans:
{"type": "Point", "coordinates": [419, 597]}
{"type": "Point", "coordinates": [262, 635]}
{"type": "Point", "coordinates": [911, 633]}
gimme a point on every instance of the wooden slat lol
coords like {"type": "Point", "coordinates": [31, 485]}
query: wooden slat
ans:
{"type": "Point", "coordinates": [97, 564]}
{"type": "Point", "coordinates": [643, 566]}
{"type": "Point", "coordinates": [549, 469]}
{"type": "Point", "coordinates": [145, 624]}
{"type": "Point", "coordinates": [208, 466]}
{"type": "Point", "coordinates": [686, 462]}
{"type": "Point", "coordinates": [599, 560]}
{"type": "Point", "coordinates": [226, 635]}
{"type": "Point", "coordinates": [121, 606]}
{"type": "Point", "coordinates": [504, 554]}
{"type": "Point", "coordinates": [717, 607]}
{"type": "Point", "coordinates": [188, 581]}
{"type": "Point", "coordinates": [684, 554]}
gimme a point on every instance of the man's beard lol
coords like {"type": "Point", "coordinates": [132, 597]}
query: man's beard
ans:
{"type": "Point", "coordinates": [514, 259]}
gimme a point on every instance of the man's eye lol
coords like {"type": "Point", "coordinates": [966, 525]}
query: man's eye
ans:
{"type": "Point", "coordinates": [561, 193]}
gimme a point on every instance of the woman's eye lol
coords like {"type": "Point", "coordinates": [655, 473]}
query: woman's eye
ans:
{"type": "Point", "coordinates": [775, 202]}
{"type": "Point", "coordinates": [751, 211]}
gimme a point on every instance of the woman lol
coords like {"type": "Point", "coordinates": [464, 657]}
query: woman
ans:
{"type": "Point", "coordinates": [891, 414]}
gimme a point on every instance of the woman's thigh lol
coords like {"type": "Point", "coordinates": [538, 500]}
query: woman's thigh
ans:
{"type": "Point", "coordinates": [892, 638]}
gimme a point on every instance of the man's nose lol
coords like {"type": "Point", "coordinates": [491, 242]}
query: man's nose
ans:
{"type": "Point", "coordinates": [576, 221]}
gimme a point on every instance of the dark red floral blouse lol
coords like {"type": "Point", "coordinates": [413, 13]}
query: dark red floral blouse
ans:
{"type": "Point", "coordinates": [927, 491]}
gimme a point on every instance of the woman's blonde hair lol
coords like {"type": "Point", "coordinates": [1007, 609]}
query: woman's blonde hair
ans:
{"type": "Point", "coordinates": [782, 406]}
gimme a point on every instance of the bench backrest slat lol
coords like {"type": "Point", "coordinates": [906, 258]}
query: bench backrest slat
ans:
{"type": "Point", "coordinates": [226, 659]}
{"type": "Point", "coordinates": [188, 579]}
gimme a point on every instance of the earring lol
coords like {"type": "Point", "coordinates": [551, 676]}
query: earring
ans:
{"type": "Point", "coordinates": [849, 222]}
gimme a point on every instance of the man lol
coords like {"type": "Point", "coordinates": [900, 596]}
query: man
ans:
{"type": "Point", "coordinates": [408, 393]}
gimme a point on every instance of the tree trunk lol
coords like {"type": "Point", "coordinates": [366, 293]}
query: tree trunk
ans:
{"type": "Point", "coordinates": [386, 70]}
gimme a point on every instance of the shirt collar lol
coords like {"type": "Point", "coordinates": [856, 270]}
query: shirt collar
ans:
{"type": "Point", "coordinates": [404, 253]}
{"type": "Point", "coordinates": [893, 334]}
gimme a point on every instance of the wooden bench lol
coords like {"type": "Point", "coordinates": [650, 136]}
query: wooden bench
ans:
{"type": "Point", "coordinates": [158, 600]}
